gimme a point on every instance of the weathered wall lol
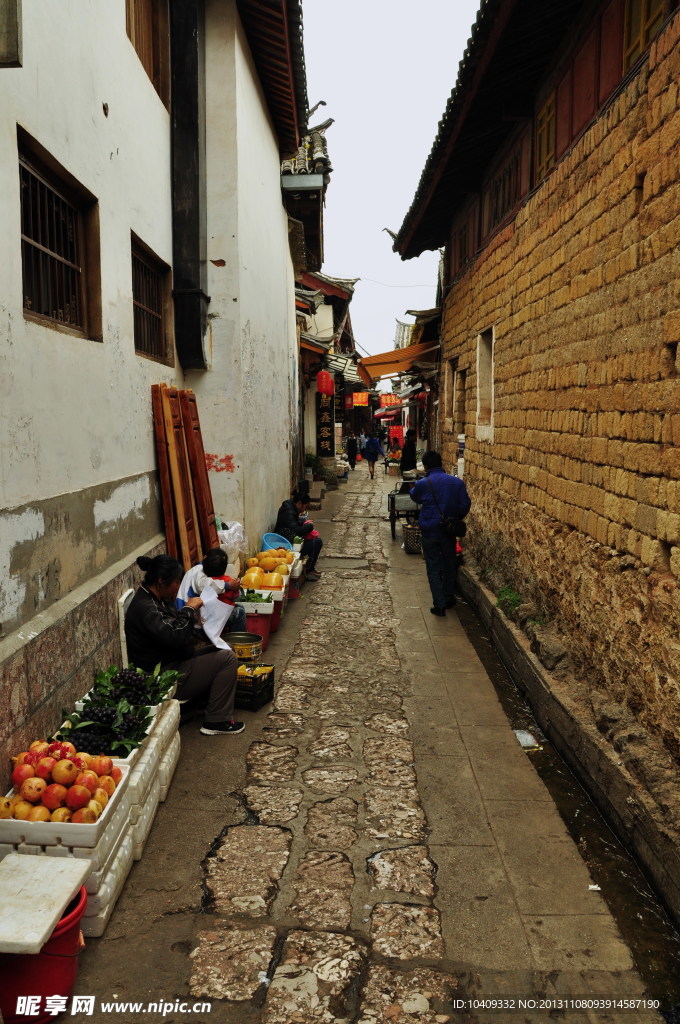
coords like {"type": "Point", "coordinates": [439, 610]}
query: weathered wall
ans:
{"type": "Point", "coordinates": [248, 403]}
{"type": "Point", "coordinates": [77, 457]}
{"type": "Point", "coordinates": [576, 498]}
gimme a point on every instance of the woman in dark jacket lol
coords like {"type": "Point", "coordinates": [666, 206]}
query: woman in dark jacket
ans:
{"type": "Point", "coordinates": [291, 523]}
{"type": "Point", "coordinates": [408, 452]}
{"type": "Point", "coordinates": [157, 631]}
{"type": "Point", "coordinates": [352, 449]}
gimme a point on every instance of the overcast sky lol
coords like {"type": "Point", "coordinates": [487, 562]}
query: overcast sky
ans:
{"type": "Point", "coordinates": [385, 69]}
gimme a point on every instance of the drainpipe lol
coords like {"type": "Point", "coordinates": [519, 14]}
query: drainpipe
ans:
{"type": "Point", "coordinates": [189, 182]}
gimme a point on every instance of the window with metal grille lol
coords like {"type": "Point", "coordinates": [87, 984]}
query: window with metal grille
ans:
{"type": "Point", "coordinates": [150, 302]}
{"type": "Point", "coordinates": [52, 243]}
{"type": "Point", "coordinates": [644, 18]}
{"type": "Point", "coordinates": [545, 138]}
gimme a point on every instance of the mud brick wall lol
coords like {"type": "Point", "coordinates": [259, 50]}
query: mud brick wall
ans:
{"type": "Point", "coordinates": [576, 500]}
{"type": "Point", "coordinates": [50, 663]}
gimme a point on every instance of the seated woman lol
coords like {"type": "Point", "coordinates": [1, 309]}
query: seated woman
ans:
{"type": "Point", "coordinates": [157, 631]}
{"type": "Point", "coordinates": [292, 522]}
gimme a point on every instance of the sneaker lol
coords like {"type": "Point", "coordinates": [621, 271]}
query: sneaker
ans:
{"type": "Point", "coordinates": [438, 611]}
{"type": "Point", "coordinates": [221, 728]}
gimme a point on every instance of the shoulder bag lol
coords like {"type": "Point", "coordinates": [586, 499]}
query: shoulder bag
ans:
{"type": "Point", "coordinates": [451, 527]}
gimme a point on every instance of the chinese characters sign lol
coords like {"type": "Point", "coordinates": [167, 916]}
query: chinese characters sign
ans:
{"type": "Point", "coordinates": [360, 398]}
{"type": "Point", "coordinates": [325, 426]}
{"type": "Point", "coordinates": [386, 400]}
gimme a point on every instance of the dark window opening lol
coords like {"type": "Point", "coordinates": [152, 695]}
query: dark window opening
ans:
{"type": "Point", "coordinates": [150, 300]}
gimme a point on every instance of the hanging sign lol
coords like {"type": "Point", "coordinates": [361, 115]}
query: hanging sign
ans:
{"type": "Point", "coordinates": [325, 426]}
{"type": "Point", "coordinates": [360, 398]}
{"type": "Point", "coordinates": [348, 402]}
{"type": "Point", "coordinates": [386, 400]}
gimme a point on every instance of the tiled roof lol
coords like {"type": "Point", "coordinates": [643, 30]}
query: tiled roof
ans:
{"type": "Point", "coordinates": [312, 155]}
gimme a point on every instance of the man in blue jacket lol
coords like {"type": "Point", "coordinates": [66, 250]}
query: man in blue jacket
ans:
{"type": "Point", "coordinates": [441, 497]}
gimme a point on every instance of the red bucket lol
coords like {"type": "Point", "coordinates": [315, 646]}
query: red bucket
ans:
{"type": "Point", "coordinates": [51, 972]}
{"type": "Point", "coordinates": [259, 624]}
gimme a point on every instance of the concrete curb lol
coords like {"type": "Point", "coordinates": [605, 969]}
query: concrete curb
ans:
{"type": "Point", "coordinates": [629, 810]}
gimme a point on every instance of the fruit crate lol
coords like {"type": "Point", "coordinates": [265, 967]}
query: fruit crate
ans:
{"type": "Point", "coordinates": [254, 692]}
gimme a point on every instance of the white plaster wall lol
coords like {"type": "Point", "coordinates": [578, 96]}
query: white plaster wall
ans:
{"type": "Point", "coordinates": [321, 322]}
{"type": "Point", "coordinates": [247, 404]}
{"type": "Point", "coordinates": [75, 412]}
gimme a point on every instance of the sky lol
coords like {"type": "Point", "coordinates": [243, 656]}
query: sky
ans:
{"type": "Point", "coordinates": [386, 69]}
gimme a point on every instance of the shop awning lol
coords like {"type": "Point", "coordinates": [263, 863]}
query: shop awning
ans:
{"type": "Point", "coordinates": [389, 413]}
{"type": "Point", "coordinates": [399, 360]}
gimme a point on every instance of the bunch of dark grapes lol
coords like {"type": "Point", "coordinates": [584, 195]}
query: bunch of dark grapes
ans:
{"type": "Point", "coordinates": [129, 685]}
{"type": "Point", "coordinates": [94, 741]}
{"type": "Point", "coordinates": [99, 713]}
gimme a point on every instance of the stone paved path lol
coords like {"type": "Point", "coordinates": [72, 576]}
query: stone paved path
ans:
{"type": "Point", "coordinates": [395, 852]}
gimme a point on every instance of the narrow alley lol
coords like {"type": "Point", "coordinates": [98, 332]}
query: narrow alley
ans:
{"type": "Point", "coordinates": [376, 846]}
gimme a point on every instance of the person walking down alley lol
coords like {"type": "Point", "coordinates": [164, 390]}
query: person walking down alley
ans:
{"type": "Point", "coordinates": [443, 499]}
{"type": "Point", "coordinates": [352, 450]}
{"type": "Point", "coordinates": [372, 450]}
{"type": "Point", "coordinates": [292, 522]}
{"type": "Point", "coordinates": [408, 453]}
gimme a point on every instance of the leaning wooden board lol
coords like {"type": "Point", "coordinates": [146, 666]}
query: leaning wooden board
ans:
{"type": "Point", "coordinates": [35, 893]}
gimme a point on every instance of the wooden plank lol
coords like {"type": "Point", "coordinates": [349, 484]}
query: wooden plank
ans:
{"type": "Point", "coordinates": [199, 471]}
{"type": "Point", "coordinates": [171, 537]}
{"type": "Point", "coordinates": [179, 474]}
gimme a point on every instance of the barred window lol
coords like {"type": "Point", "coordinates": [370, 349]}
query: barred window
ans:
{"type": "Point", "coordinates": [51, 251]}
{"type": "Point", "coordinates": [504, 190]}
{"type": "Point", "coordinates": [150, 299]}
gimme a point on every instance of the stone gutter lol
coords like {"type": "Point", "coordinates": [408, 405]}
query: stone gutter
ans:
{"type": "Point", "coordinates": [628, 808]}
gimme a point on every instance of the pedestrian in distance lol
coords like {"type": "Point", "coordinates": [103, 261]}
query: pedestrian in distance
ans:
{"type": "Point", "coordinates": [372, 451]}
{"type": "Point", "coordinates": [158, 632]}
{"type": "Point", "coordinates": [292, 522]}
{"type": "Point", "coordinates": [352, 450]}
{"type": "Point", "coordinates": [444, 502]}
{"type": "Point", "coordinates": [408, 453]}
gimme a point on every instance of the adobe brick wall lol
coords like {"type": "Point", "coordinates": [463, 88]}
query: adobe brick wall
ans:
{"type": "Point", "coordinates": [51, 662]}
{"type": "Point", "coordinates": [576, 502]}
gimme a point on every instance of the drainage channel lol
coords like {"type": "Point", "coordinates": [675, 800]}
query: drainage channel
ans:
{"type": "Point", "coordinates": [643, 922]}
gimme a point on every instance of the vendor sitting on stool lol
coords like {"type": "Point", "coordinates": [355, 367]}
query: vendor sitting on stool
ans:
{"type": "Point", "coordinates": [292, 522]}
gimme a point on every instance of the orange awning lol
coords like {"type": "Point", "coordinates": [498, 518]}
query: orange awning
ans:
{"type": "Point", "coordinates": [399, 360]}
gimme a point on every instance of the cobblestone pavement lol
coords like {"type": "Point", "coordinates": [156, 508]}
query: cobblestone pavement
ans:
{"type": "Point", "coordinates": [396, 854]}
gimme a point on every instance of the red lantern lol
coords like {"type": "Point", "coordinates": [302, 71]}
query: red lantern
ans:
{"type": "Point", "coordinates": [421, 398]}
{"type": "Point", "coordinates": [325, 383]}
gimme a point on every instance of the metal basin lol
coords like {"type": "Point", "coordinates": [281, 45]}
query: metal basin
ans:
{"type": "Point", "coordinates": [245, 645]}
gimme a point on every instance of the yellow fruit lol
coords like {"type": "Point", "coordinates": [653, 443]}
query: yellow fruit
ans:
{"type": "Point", "coordinates": [272, 552]}
{"type": "Point", "coordinates": [282, 551]}
{"type": "Point", "coordinates": [272, 581]}
{"type": "Point", "coordinates": [252, 579]}
{"type": "Point", "coordinates": [262, 670]}
{"type": "Point", "coordinates": [251, 562]}
{"type": "Point", "coordinates": [290, 557]}
{"type": "Point", "coordinates": [269, 564]}
{"type": "Point", "coordinates": [261, 554]}
{"type": "Point", "coordinates": [282, 568]}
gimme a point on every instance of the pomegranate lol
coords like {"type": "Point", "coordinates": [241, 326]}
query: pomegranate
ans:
{"type": "Point", "coordinates": [22, 809]}
{"type": "Point", "coordinates": [101, 764]}
{"type": "Point", "coordinates": [64, 772]}
{"type": "Point", "coordinates": [21, 773]}
{"type": "Point", "coordinates": [107, 783]}
{"type": "Point", "coordinates": [68, 750]}
{"type": "Point", "coordinates": [78, 796]}
{"type": "Point", "coordinates": [5, 807]}
{"type": "Point", "coordinates": [32, 790]}
{"type": "Point", "coordinates": [54, 796]}
{"type": "Point", "coordinates": [43, 768]}
{"type": "Point", "coordinates": [42, 746]}
{"type": "Point", "coordinates": [61, 814]}
{"type": "Point", "coordinates": [116, 774]}
{"type": "Point", "coordinates": [87, 778]}
{"type": "Point", "coordinates": [95, 806]}
{"type": "Point", "coordinates": [21, 758]}
{"type": "Point", "coordinates": [81, 761]}
{"type": "Point", "coordinates": [84, 816]}
{"type": "Point", "coordinates": [100, 795]}
{"type": "Point", "coordinates": [38, 813]}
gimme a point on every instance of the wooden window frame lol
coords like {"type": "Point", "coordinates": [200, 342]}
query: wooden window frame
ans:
{"type": "Point", "coordinates": [151, 42]}
{"type": "Point", "coordinates": [486, 344]}
{"type": "Point", "coordinates": [141, 253]}
{"type": "Point", "coordinates": [545, 145]}
{"type": "Point", "coordinates": [652, 17]}
{"type": "Point", "coordinates": [37, 165]}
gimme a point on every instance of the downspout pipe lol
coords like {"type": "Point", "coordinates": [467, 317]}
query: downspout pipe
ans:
{"type": "Point", "coordinates": [189, 227]}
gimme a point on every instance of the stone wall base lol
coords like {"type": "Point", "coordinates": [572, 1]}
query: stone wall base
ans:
{"type": "Point", "coordinates": [647, 821]}
{"type": "Point", "coordinates": [50, 661]}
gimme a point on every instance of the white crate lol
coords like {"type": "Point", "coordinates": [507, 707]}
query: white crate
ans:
{"type": "Point", "coordinates": [98, 876]}
{"type": "Point", "coordinates": [165, 724]}
{"type": "Point", "coordinates": [24, 835]}
{"type": "Point", "coordinates": [167, 766]}
{"type": "Point", "coordinates": [100, 904]}
{"type": "Point", "coordinates": [142, 827]}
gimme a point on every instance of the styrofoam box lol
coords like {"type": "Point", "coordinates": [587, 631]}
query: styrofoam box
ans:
{"type": "Point", "coordinates": [168, 763]}
{"type": "Point", "coordinates": [100, 905]}
{"type": "Point", "coordinates": [98, 877]}
{"type": "Point", "coordinates": [100, 854]}
{"type": "Point", "coordinates": [142, 778]}
{"type": "Point", "coordinates": [257, 607]}
{"type": "Point", "coordinates": [165, 724]}
{"type": "Point", "coordinates": [53, 833]}
{"type": "Point", "coordinates": [142, 827]}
